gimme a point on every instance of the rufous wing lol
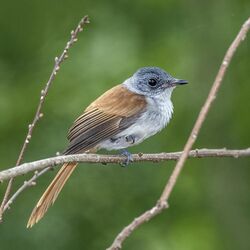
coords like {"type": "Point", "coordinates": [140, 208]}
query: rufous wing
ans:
{"type": "Point", "coordinates": [104, 118]}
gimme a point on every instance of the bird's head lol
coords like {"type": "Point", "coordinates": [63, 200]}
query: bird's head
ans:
{"type": "Point", "coordinates": [152, 81]}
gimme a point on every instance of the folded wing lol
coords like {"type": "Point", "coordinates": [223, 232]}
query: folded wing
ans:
{"type": "Point", "coordinates": [104, 118]}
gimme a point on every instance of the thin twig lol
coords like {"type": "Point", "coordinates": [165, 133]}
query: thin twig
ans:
{"type": "Point", "coordinates": [163, 200]}
{"type": "Point", "coordinates": [30, 183]}
{"type": "Point", "coordinates": [117, 159]}
{"type": "Point", "coordinates": [58, 61]}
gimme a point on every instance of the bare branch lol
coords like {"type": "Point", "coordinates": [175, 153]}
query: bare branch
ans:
{"type": "Point", "coordinates": [96, 158]}
{"type": "Point", "coordinates": [30, 183]}
{"type": "Point", "coordinates": [47, 164]}
{"type": "Point", "coordinates": [191, 140]}
{"type": "Point", "coordinates": [204, 110]}
{"type": "Point", "coordinates": [146, 216]}
{"type": "Point", "coordinates": [58, 61]}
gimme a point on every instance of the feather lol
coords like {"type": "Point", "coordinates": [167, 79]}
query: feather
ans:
{"type": "Point", "coordinates": [111, 113]}
{"type": "Point", "coordinates": [51, 193]}
{"type": "Point", "coordinates": [114, 111]}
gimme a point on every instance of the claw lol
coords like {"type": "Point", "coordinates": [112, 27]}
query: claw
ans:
{"type": "Point", "coordinates": [130, 139]}
{"type": "Point", "coordinates": [129, 158]}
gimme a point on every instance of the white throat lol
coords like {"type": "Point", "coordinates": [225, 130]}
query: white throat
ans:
{"type": "Point", "coordinates": [161, 104]}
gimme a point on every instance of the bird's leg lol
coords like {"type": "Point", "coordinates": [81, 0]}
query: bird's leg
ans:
{"type": "Point", "coordinates": [130, 139]}
{"type": "Point", "coordinates": [128, 159]}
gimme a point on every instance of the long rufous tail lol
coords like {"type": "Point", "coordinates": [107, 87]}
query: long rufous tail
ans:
{"type": "Point", "coordinates": [51, 193]}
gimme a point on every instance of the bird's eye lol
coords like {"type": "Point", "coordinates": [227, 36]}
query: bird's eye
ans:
{"type": "Point", "coordinates": [152, 82]}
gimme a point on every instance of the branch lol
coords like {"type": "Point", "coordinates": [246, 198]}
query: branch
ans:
{"type": "Point", "coordinates": [47, 164]}
{"type": "Point", "coordinates": [104, 159]}
{"type": "Point", "coordinates": [162, 202]}
{"type": "Point", "coordinates": [58, 61]}
{"type": "Point", "coordinates": [31, 182]}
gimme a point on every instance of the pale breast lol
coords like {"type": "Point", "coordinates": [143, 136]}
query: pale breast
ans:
{"type": "Point", "coordinates": [155, 118]}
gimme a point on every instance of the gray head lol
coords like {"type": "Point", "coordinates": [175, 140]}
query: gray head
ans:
{"type": "Point", "coordinates": [151, 81]}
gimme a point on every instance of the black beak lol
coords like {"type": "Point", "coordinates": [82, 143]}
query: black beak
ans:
{"type": "Point", "coordinates": [179, 82]}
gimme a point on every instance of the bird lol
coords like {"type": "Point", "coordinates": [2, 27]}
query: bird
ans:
{"type": "Point", "coordinates": [122, 117]}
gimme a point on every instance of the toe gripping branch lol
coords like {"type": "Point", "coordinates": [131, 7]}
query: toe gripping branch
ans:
{"type": "Point", "coordinates": [128, 159]}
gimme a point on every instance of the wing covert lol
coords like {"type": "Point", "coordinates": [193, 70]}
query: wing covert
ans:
{"type": "Point", "coordinates": [102, 119]}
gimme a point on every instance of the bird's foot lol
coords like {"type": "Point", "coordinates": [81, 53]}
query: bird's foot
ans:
{"type": "Point", "coordinates": [129, 158]}
{"type": "Point", "coordinates": [130, 139]}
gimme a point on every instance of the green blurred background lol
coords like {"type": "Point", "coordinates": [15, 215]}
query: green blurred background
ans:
{"type": "Point", "coordinates": [210, 206]}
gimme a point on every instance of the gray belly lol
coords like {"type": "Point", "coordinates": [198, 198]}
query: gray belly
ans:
{"type": "Point", "coordinates": [147, 125]}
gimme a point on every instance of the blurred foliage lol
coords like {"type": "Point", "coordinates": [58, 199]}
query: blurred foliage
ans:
{"type": "Point", "coordinates": [209, 208]}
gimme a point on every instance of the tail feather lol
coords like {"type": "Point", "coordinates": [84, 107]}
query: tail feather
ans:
{"type": "Point", "coordinates": [51, 193]}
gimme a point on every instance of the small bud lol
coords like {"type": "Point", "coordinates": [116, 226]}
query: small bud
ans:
{"type": "Point", "coordinates": [56, 59]}
{"type": "Point", "coordinates": [72, 32]}
{"type": "Point", "coordinates": [42, 97]}
{"type": "Point", "coordinates": [30, 126]}
{"type": "Point", "coordinates": [27, 141]}
{"type": "Point", "coordinates": [57, 68]}
{"type": "Point", "coordinates": [57, 153]}
{"type": "Point", "coordinates": [33, 183]}
{"type": "Point", "coordinates": [42, 92]}
{"type": "Point", "coordinates": [29, 137]}
{"type": "Point", "coordinates": [225, 63]}
{"type": "Point", "coordinates": [36, 172]}
{"type": "Point", "coordinates": [66, 56]}
{"type": "Point", "coordinates": [40, 115]}
{"type": "Point", "coordinates": [81, 29]}
{"type": "Point", "coordinates": [75, 40]}
{"type": "Point", "coordinates": [153, 210]}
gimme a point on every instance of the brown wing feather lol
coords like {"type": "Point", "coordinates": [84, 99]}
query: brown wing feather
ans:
{"type": "Point", "coordinates": [102, 118]}
{"type": "Point", "coordinates": [91, 138]}
{"type": "Point", "coordinates": [119, 101]}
